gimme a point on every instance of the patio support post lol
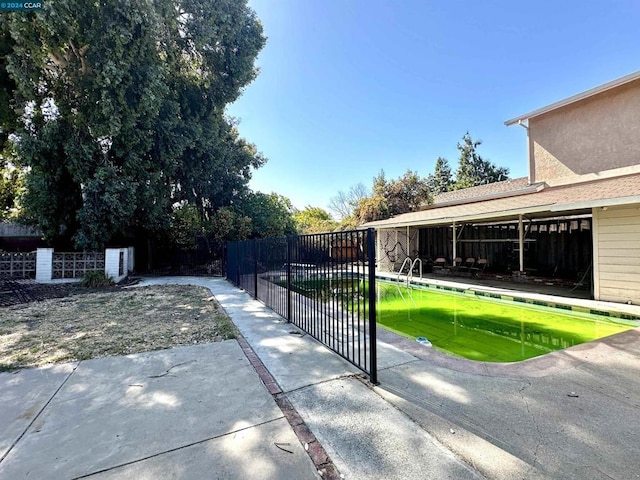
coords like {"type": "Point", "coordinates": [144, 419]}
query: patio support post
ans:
{"type": "Point", "coordinates": [455, 242]}
{"type": "Point", "coordinates": [521, 242]}
{"type": "Point", "coordinates": [408, 246]}
{"type": "Point", "coordinates": [396, 254]}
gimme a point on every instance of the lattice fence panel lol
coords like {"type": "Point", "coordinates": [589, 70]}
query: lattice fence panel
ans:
{"type": "Point", "coordinates": [17, 265]}
{"type": "Point", "coordinates": [76, 264]}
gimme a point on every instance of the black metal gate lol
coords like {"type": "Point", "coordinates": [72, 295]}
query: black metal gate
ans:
{"type": "Point", "coordinates": [322, 283]}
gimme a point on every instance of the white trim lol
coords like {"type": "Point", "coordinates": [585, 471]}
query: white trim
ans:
{"type": "Point", "coordinates": [463, 218]}
{"type": "Point", "coordinates": [605, 202]}
{"type": "Point", "coordinates": [595, 231]}
{"type": "Point", "coordinates": [521, 243]}
{"type": "Point", "coordinates": [575, 98]}
{"type": "Point", "coordinates": [455, 242]}
{"type": "Point", "coordinates": [408, 246]}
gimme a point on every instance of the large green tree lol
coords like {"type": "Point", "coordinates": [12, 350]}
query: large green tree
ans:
{"type": "Point", "coordinates": [473, 170]}
{"type": "Point", "coordinates": [10, 189]}
{"type": "Point", "coordinates": [10, 175]}
{"type": "Point", "coordinates": [314, 220]}
{"type": "Point", "coordinates": [403, 194]}
{"type": "Point", "coordinates": [393, 197]}
{"type": "Point", "coordinates": [441, 180]}
{"type": "Point", "coordinates": [123, 112]}
{"type": "Point", "coordinates": [271, 215]}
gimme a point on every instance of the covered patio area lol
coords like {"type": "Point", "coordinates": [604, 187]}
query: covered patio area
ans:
{"type": "Point", "coordinates": [517, 286]}
{"type": "Point", "coordinates": [535, 248]}
{"type": "Point", "coordinates": [579, 237]}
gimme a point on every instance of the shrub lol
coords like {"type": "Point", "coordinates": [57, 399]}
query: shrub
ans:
{"type": "Point", "coordinates": [96, 279]}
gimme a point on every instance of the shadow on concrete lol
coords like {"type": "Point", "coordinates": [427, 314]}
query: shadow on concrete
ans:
{"type": "Point", "coordinates": [182, 413]}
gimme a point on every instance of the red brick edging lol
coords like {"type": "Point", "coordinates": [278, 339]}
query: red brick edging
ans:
{"type": "Point", "coordinates": [316, 451]}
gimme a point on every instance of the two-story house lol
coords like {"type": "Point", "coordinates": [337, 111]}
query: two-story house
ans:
{"type": "Point", "coordinates": [576, 215]}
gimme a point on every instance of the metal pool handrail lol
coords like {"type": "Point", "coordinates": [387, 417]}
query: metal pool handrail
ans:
{"type": "Point", "coordinates": [408, 259]}
{"type": "Point", "coordinates": [412, 265]}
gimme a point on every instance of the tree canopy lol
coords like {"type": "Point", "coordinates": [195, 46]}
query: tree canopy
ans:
{"type": "Point", "coordinates": [314, 220]}
{"type": "Point", "coordinates": [271, 215]}
{"type": "Point", "coordinates": [390, 197]}
{"type": "Point", "coordinates": [122, 109]}
{"type": "Point", "coordinates": [473, 170]}
{"type": "Point", "coordinates": [345, 203]}
{"type": "Point", "coordinates": [441, 180]}
{"type": "Point", "coordinates": [410, 191]}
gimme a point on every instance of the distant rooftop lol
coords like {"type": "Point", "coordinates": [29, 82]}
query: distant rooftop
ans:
{"type": "Point", "coordinates": [9, 230]}
{"type": "Point", "coordinates": [482, 191]}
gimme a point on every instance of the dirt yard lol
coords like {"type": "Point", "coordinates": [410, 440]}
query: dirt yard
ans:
{"type": "Point", "coordinates": [111, 322]}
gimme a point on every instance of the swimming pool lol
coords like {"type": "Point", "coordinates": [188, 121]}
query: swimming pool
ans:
{"type": "Point", "coordinates": [477, 327]}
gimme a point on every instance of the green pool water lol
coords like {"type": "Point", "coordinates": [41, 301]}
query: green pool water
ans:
{"type": "Point", "coordinates": [487, 329]}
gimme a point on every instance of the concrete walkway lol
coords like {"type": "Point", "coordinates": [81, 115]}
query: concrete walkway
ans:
{"type": "Point", "coordinates": [365, 436]}
{"type": "Point", "coordinates": [572, 414]}
{"type": "Point", "coordinates": [201, 412]}
{"type": "Point", "coordinates": [186, 413]}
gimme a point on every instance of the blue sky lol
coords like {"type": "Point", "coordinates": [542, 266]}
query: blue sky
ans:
{"type": "Point", "coordinates": [350, 87]}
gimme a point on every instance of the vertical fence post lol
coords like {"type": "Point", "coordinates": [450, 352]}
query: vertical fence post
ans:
{"type": "Point", "coordinates": [237, 272]}
{"type": "Point", "coordinates": [255, 268]}
{"type": "Point", "coordinates": [371, 258]}
{"type": "Point", "coordinates": [289, 278]}
{"type": "Point", "coordinates": [44, 265]}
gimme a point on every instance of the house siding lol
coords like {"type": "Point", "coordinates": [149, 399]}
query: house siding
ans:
{"type": "Point", "coordinates": [600, 135]}
{"type": "Point", "coordinates": [617, 254]}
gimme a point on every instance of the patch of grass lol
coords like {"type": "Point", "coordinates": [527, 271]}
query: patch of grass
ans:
{"type": "Point", "coordinates": [113, 322]}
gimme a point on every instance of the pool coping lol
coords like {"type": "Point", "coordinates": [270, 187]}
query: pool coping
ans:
{"type": "Point", "coordinates": [541, 366]}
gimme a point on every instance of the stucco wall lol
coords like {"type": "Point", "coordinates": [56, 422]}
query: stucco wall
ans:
{"type": "Point", "coordinates": [590, 139]}
{"type": "Point", "coordinates": [616, 244]}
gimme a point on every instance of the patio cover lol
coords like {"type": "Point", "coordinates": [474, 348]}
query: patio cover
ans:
{"type": "Point", "coordinates": [549, 201]}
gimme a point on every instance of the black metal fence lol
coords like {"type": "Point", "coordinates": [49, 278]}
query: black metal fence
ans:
{"type": "Point", "coordinates": [322, 283]}
{"type": "Point", "coordinates": [205, 257]}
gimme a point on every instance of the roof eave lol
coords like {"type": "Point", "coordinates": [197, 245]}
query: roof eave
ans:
{"type": "Point", "coordinates": [463, 218]}
{"type": "Point", "coordinates": [551, 208]}
{"type": "Point", "coordinates": [604, 202]}
{"type": "Point", "coordinates": [576, 98]}
{"type": "Point", "coordinates": [533, 188]}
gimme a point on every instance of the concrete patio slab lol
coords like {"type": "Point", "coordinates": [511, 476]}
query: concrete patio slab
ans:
{"type": "Point", "coordinates": [23, 395]}
{"type": "Point", "coordinates": [117, 410]}
{"type": "Point", "coordinates": [269, 450]}
{"type": "Point", "coordinates": [368, 438]}
{"type": "Point", "coordinates": [569, 415]}
{"type": "Point", "coordinates": [365, 436]}
{"type": "Point", "coordinates": [575, 424]}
